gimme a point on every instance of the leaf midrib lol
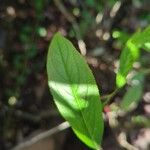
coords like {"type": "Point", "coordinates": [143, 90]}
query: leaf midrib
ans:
{"type": "Point", "coordinates": [72, 90]}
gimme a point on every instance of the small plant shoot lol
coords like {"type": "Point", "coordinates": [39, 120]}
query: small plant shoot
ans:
{"type": "Point", "coordinates": [75, 91]}
{"type": "Point", "coordinates": [131, 53]}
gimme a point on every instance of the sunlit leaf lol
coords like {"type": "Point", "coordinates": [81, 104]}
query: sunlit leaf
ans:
{"type": "Point", "coordinates": [130, 54]}
{"type": "Point", "coordinates": [143, 37]}
{"type": "Point", "coordinates": [145, 40]}
{"type": "Point", "coordinates": [75, 91]}
{"type": "Point", "coordinates": [146, 46]}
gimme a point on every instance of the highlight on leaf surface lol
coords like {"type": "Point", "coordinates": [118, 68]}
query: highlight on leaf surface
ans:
{"type": "Point", "coordinates": [74, 90]}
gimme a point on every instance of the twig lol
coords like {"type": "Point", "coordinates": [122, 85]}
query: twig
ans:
{"type": "Point", "coordinates": [42, 136]}
{"type": "Point", "coordinates": [122, 140]}
{"type": "Point", "coordinates": [109, 97]}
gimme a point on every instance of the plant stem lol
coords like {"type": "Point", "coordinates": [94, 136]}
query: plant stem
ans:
{"type": "Point", "coordinates": [109, 97]}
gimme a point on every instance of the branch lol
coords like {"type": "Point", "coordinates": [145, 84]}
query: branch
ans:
{"type": "Point", "coordinates": [109, 97]}
{"type": "Point", "coordinates": [42, 136]}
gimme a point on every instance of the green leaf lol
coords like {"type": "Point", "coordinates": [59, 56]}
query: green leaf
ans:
{"type": "Point", "coordinates": [145, 43]}
{"type": "Point", "coordinates": [75, 91]}
{"type": "Point", "coordinates": [146, 46]}
{"type": "Point", "coordinates": [130, 54]}
{"type": "Point", "coordinates": [143, 37]}
{"type": "Point", "coordinates": [134, 93]}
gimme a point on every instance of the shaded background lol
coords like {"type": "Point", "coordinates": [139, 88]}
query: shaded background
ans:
{"type": "Point", "coordinates": [99, 28]}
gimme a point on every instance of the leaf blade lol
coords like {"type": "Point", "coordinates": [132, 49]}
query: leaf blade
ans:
{"type": "Point", "coordinates": [130, 54]}
{"type": "Point", "coordinates": [75, 91]}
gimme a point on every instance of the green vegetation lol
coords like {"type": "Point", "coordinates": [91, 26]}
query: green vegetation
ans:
{"type": "Point", "coordinates": [97, 71]}
{"type": "Point", "coordinates": [76, 93]}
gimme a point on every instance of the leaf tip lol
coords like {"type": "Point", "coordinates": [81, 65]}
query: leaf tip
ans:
{"type": "Point", "coordinates": [120, 80]}
{"type": "Point", "coordinates": [57, 35]}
